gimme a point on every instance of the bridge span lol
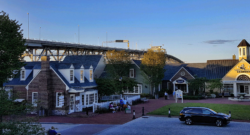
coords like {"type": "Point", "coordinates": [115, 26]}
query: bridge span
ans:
{"type": "Point", "coordinates": [57, 50]}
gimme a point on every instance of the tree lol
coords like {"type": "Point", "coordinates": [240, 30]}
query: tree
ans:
{"type": "Point", "coordinates": [117, 68]}
{"type": "Point", "coordinates": [197, 85]}
{"type": "Point", "coordinates": [12, 116]}
{"type": "Point", "coordinates": [214, 83]}
{"type": "Point", "coordinates": [11, 46]}
{"type": "Point", "coordinates": [14, 120]}
{"type": "Point", "coordinates": [152, 65]}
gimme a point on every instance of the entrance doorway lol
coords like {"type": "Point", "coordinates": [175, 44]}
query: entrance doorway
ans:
{"type": "Point", "coordinates": [72, 103]}
{"type": "Point", "coordinates": [242, 89]}
{"type": "Point", "coordinates": [182, 87]}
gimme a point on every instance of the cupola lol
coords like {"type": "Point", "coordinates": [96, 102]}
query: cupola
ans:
{"type": "Point", "coordinates": [244, 49]}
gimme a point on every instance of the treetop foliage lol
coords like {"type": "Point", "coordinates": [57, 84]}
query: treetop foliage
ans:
{"type": "Point", "coordinates": [11, 46]}
{"type": "Point", "coordinates": [154, 58]}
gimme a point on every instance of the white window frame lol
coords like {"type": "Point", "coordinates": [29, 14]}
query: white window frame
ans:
{"type": "Point", "coordinates": [22, 75]}
{"type": "Point", "coordinates": [133, 92]}
{"type": "Point", "coordinates": [57, 98]}
{"type": "Point", "coordinates": [71, 75]}
{"type": "Point", "coordinates": [91, 75]}
{"type": "Point", "coordinates": [133, 73]}
{"type": "Point", "coordinates": [81, 76]}
{"type": "Point", "coordinates": [33, 102]}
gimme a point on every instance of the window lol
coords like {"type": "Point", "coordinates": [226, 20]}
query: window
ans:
{"type": "Point", "coordinates": [228, 88]}
{"type": "Point", "coordinates": [83, 100]}
{"type": "Point", "coordinates": [91, 99]}
{"type": "Point", "coordinates": [131, 73]}
{"type": "Point", "coordinates": [243, 51]}
{"type": "Point", "coordinates": [137, 90]}
{"type": "Point", "coordinates": [34, 98]}
{"type": "Point", "coordinates": [240, 51]}
{"type": "Point", "coordinates": [22, 75]}
{"type": "Point", "coordinates": [81, 76]}
{"type": "Point", "coordinates": [96, 99]}
{"type": "Point", "coordinates": [206, 112]}
{"type": "Point", "coordinates": [197, 111]}
{"type": "Point", "coordinates": [71, 75]}
{"type": "Point", "coordinates": [59, 99]}
{"type": "Point", "coordinates": [246, 89]}
{"type": "Point", "coordinates": [87, 99]}
{"type": "Point", "coordinates": [90, 75]}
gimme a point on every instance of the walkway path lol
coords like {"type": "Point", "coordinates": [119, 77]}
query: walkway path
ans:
{"type": "Point", "coordinates": [121, 117]}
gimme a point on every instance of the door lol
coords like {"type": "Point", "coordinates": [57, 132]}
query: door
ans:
{"type": "Point", "coordinates": [208, 116]}
{"type": "Point", "coordinates": [196, 115]}
{"type": "Point", "coordinates": [242, 89]}
{"type": "Point", "coordinates": [72, 103]}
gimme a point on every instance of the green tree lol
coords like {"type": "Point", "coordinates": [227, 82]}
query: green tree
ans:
{"type": "Point", "coordinates": [197, 85]}
{"type": "Point", "coordinates": [11, 46]}
{"type": "Point", "coordinates": [214, 83]}
{"type": "Point", "coordinates": [14, 119]}
{"type": "Point", "coordinates": [117, 68]}
{"type": "Point", "coordinates": [152, 68]}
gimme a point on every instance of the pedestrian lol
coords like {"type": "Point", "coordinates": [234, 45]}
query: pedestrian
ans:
{"type": "Point", "coordinates": [52, 131]}
{"type": "Point", "coordinates": [166, 95]}
{"type": "Point", "coordinates": [124, 103]}
{"type": "Point", "coordinates": [121, 103]}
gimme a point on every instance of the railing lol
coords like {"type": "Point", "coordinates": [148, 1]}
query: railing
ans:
{"type": "Point", "coordinates": [106, 104]}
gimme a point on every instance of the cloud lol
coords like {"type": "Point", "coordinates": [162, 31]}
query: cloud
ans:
{"type": "Point", "coordinates": [220, 41]}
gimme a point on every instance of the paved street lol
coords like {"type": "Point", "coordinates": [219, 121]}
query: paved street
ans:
{"type": "Point", "coordinates": [172, 126]}
{"type": "Point", "coordinates": [152, 125]}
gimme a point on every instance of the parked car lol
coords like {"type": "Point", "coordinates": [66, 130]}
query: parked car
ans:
{"type": "Point", "coordinates": [203, 115]}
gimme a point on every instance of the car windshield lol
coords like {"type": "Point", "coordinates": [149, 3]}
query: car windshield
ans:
{"type": "Point", "coordinates": [213, 111]}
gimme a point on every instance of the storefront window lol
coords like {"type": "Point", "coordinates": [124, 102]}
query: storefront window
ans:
{"type": "Point", "coordinates": [228, 88]}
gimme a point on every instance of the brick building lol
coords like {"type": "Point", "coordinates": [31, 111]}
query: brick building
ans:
{"type": "Point", "coordinates": [59, 87]}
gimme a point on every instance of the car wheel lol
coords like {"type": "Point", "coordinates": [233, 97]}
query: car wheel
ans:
{"type": "Point", "coordinates": [188, 121]}
{"type": "Point", "coordinates": [219, 123]}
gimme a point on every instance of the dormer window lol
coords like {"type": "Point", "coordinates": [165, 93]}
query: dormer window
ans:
{"type": "Point", "coordinates": [240, 51]}
{"type": "Point", "coordinates": [243, 51]}
{"type": "Point", "coordinates": [71, 75]}
{"type": "Point", "coordinates": [81, 76]}
{"type": "Point", "coordinates": [131, 73]}
{"type": "Point", "coordinates": [91, 75]}
{"type": "Point", "coordinates": [22, 74]}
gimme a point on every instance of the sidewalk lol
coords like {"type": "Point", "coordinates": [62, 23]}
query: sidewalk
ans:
{"type": "Point", "coordinates": [121, 117]}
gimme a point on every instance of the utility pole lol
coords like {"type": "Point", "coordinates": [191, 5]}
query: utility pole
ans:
{"type": "Point", "coordinates": [40, 34]}
{"type": "Point", "coordinates": [28, 25]}
{"type": "Point", "coordinates": [78, 34]}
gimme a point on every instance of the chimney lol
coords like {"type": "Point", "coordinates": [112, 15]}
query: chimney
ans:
{"type": "Point", "coordinates": [234, 57]}
{"type": "Point", "coordinates": [45, 63]}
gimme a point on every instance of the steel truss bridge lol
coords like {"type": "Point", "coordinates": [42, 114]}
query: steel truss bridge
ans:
{"type": "Point", "coordinates": [58, 50]}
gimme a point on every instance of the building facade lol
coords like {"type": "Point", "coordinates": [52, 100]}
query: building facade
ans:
{"type": "Point", "coordinates": [59, 87]}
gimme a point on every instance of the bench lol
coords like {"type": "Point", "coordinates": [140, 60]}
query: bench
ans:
{"type": "Point", "coordinates": [144, 99]}
{"type": "Point", "coordinates": [213, 95]}
{"type": "Point", "coordinates": [227, 94]}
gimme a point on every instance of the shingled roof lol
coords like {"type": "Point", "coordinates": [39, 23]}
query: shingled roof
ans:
{"type": "Point", "coordinates": [243, 43]}
{"type": "Point", "coordinates": [218, 68]}
{"type": "Point", "coordinates": [195, 69]}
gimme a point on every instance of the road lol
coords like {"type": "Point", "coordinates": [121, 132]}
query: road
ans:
{"type": "Point", "coordinates": [154, 126]}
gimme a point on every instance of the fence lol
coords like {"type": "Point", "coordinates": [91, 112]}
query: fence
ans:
{"type": "Point", "coordinates": [106, 104]}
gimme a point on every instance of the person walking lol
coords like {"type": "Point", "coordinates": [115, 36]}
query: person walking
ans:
{"type": "Point", "coordinates": [121, 103]}
{"type": "Point", "coordinates": [52, 131]}
{"type": "Point", "coordinates": [166, 95]}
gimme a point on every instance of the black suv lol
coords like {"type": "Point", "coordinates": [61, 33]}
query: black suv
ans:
{"type": "Point", "coordinates": [203, 115]}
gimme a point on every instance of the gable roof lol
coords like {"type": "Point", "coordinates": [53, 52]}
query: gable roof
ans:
{"type": "Point", "coordinates": [78, 61]}
{"type": "Point", "coordinates": [137, 62]}
{"type": "Point", "coordinates": [181, 76]}
{"type": "Point", "coordinates": [195, 69]}
{"type": "Point", "coordinates": [17, 80]}
{"type": "Point", "coordinates": [243, 43]}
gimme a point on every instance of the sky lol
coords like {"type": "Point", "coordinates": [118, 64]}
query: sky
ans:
{"type": "Point", "coordinates": [191, 30]}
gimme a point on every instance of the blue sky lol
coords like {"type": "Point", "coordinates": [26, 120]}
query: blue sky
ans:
{"type": "Point", "coordinates": [191, 30]}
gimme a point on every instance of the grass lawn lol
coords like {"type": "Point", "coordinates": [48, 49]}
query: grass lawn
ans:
{"type": "Point", "coordinates": [239, 112]}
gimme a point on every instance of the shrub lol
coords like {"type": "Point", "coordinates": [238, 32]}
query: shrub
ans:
{"type": "Point", "coordinates": [211, 91]}
{"type": "Point", "coordinates": [145, 95]}
{"type": "Point", "coordinates": [102, 110]}
{"type": "Point", "coordinates": [192, 97]}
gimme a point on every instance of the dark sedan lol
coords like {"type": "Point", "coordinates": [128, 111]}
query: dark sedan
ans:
{"type": "Point", "coordinates": [203, 115]}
